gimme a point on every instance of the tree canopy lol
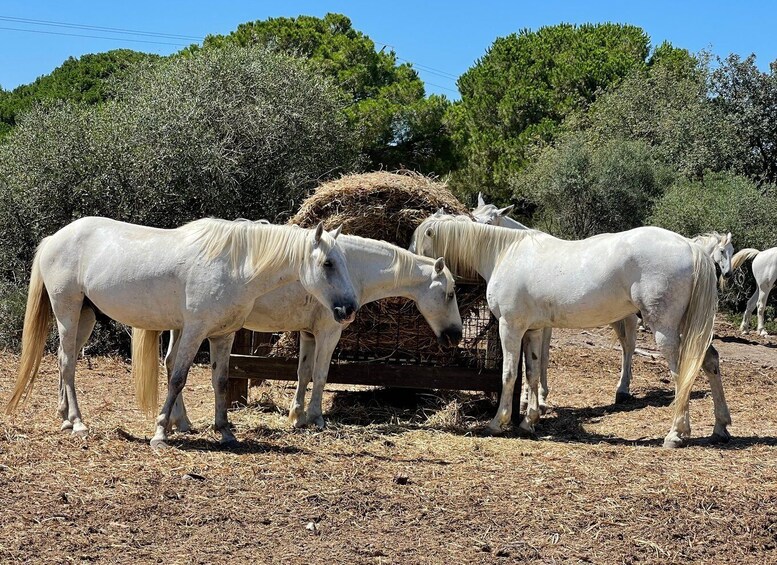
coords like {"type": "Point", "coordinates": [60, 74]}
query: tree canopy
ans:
{"type": "Point", "coordinates": [526, 84]}
{"type": "Point", "coordinates": [79, 80]}
{"type": "Point", "coordinates": [392, 121]}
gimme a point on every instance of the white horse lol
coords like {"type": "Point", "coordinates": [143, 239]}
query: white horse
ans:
{"type": "Point", "coordinates": [201, 279]}
{"type": "Point", "coordinates": [534, 281]}
{"type": "Point", "coordinates": [717, 246]}
{"type": "Point", "coordinates": [765, 273]}
{"type": "Point", "coordinates": [378, 270]}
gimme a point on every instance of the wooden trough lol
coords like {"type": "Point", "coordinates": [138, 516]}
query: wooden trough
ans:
{"type": "Point", "coordinates": [392, 352]}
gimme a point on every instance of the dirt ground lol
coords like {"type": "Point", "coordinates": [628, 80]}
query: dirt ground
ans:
{"type": "Point", "coordinates": [401, 477]}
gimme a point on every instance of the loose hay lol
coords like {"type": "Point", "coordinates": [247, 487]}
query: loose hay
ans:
{"type": "Point", "coordinates": [389, 206]}
{"type": "Point", "coordinates": [410, 485]}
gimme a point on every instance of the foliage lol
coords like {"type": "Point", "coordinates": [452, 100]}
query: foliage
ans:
{"type": "Point", "coordinates": [723, 202]}
{"type": "Point", "coordinates": [237, 132]}
{"type": "Point", "coordinates": [580, 189]}
{"type": "Point", "coordinates": [78, 80]}
{"type": "Point", "coordinates": [522, 89]}
{"type": "Point", "coordinates": [748, 97]}
{"type": "Point", "coordinates": [666, 106]}
{"type": "Point", "coordinates": [394, 124]}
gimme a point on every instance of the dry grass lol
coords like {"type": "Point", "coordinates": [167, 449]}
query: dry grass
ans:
{"type": "Point", "coordinates": [399, 478]}
{"type": "Point", "coordinates": [386, 206]}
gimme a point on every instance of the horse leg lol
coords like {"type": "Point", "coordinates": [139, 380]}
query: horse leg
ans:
{"type": "Point", "coordinates": [744, 327]}
{"type": "Point", "coordinates": [547, 333]}
{"type": "Point", "coordinates": [85, 326]}
{"type": "Point", "coordinates": [220, 348]}
{"type": "Point", "coordinates": [711, 368]}
{"type": "Point", "coordinates": [178, 417]}
{"type": "Point", "coordinates": [763, 296]}
{"type": "Point", "coordinates": [626, 330]}
{"type": "Point", "coordinates": [68, 318]}
{"type": "Point", "coordinates": [668, 342]}
{"type": "Point", "coordinates": [511, 337]}
{"type": "Point", "coordinates": [532, 358]}
{"type": "Point", "coordinates": [188, 345]}
{"type": "Point", "coordinates": [524, 379]}
{"type": "Point", "coordinates": [325, 346]}
{"type": "Point", "coordinates": [307, 350]}
{"type": "Point", "coordinates": [543, 350]}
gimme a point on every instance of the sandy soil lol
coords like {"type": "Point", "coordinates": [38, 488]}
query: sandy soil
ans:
{"type": "Point", "coordinates": [400, 477]}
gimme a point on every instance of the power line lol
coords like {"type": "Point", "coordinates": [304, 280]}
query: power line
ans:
{"type": "Point", "coordinates": [93, 36]}
{"type": "Point", "coordinates": [122, 31]}
{"type": "Point", "coordinates": [99, 28]}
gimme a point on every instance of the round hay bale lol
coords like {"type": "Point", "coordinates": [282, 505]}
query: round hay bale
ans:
{"type": "Point", "coordinates": [389, 206]}
{"type": "Point", "coordinates": [380, 205]}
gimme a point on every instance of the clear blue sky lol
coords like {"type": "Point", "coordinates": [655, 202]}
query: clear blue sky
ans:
{"type": "Point", "coordinates": [442, 38]}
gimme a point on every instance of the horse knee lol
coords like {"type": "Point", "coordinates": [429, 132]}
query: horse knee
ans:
{"type": "Point", "coordinates": [711, 364]}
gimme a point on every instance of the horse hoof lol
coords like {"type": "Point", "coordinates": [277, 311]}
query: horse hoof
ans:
{"type": "Point", "coordinates": [525, 428]}
{"type": "Point", "coordinates": [80, 430]}
{"type": "Point", "coordinates": [159, 444]}
{"type": "Point", "coordinates": [66, 426]}
{"type": "Point", "coordinates": [720, 437]}
{"type": "Point", "coordinates": [763, 333]}
{"type": "Point", "coordinates": [624, 398]}
{"type": "Point", "coordinates": [319, 422]}
{"type": "Point", "coordinates": [231, 443]}
{"type": "Point", "coordinates": [491, 431]}
{"type": "Point", "coordinates": [673, 442]}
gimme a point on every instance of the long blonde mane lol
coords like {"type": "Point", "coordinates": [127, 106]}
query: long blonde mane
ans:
{"type": "Point", "coordinates": [703, 238]}
{"type": "Point", "coordinates": [257, 245]}
{"type": "Point", "coordinates": [463, 242]}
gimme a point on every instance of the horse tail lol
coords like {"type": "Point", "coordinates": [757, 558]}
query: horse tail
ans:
{"type": "Point", "coordinates": [741, 256]}
{"type": "Point", "coordinates": [696, 327]}
{"type": "Point", "coordinates": [145, 368]}
{"type": "Point", "coordinates": [37, 320]}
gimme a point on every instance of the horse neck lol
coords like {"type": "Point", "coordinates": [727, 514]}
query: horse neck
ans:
{"type": "Point", "coordinates": [379, 269]}
{"type": "Point", "coordinates": [479, 247]}
{"type": "Point", "coordinates": [506, 222]}
{"type": "Point", "coordinates": [706, 242]}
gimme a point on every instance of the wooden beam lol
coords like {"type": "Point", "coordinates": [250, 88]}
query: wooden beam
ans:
{"type": "Point", "coordinates": [373, 374]}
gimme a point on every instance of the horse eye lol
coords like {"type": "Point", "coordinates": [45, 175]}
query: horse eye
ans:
{"type": "Point", "coordinates": [451, 295]}
{"type": "Point", "coordinates": [327, 263]}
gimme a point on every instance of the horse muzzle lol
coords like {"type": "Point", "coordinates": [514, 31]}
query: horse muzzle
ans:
{"type": "Point", "coordinates": [345, 314]}
{"type": "Point", "coordinates": [449, 337]}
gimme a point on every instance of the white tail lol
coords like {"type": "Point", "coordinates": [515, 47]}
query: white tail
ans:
{"type": "Point", "coordinates": [145, 369]}
{"type": "Point", "coordinates": [37, 320]}
{"type": "Point", "coordinates": [741, 256]}
{"type": "Point", "coordinates": [696, 329]}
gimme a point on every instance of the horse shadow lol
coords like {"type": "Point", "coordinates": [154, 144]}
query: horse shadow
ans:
{"type": "Point", "coordinates": [746, 341]}
{"type": "Point", "coordinates": [195, 442]}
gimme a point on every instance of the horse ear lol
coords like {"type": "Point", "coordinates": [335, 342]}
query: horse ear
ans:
{"type": "Point", "coordinates": [439, 212]}
{"type": "Point", "coordinates": [481, 202]}
{"type": "Point", "coordinates": [335, 232]}
{"type": "Point", "coordinates": [728, 238]}
{"type": "Point", "coordinates": [506, 210]}
{"type": "Point", "coordinates": [439, 265]}
{"type": "Point", "coordinates": [318, 233]}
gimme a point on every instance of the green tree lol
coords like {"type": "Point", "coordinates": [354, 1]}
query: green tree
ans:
{"type": "Point", "coordinates": [80, 80]}
{"type": "Point", "coordinates": [519, 93]}
{"type": "Point", "coordinates": [578, 189]}
{"type": "Point", "coordinates": [748, 97]}
{"type": "Point", "coordinates": [229, 132]}
{"type": "Point", "coordinates": [667, 106]}
{"type": "Point", "coordinates": [394, 123]}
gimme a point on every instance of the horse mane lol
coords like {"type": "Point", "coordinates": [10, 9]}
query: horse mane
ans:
{"type": "Point", "coordinates": [463, 242]}
{"type": "Point", "coordinates": [259, 245]}
{"type": "Point", "coordinates": [717, 236]}
{"type": "Point", "coordinates": [403, 261]}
